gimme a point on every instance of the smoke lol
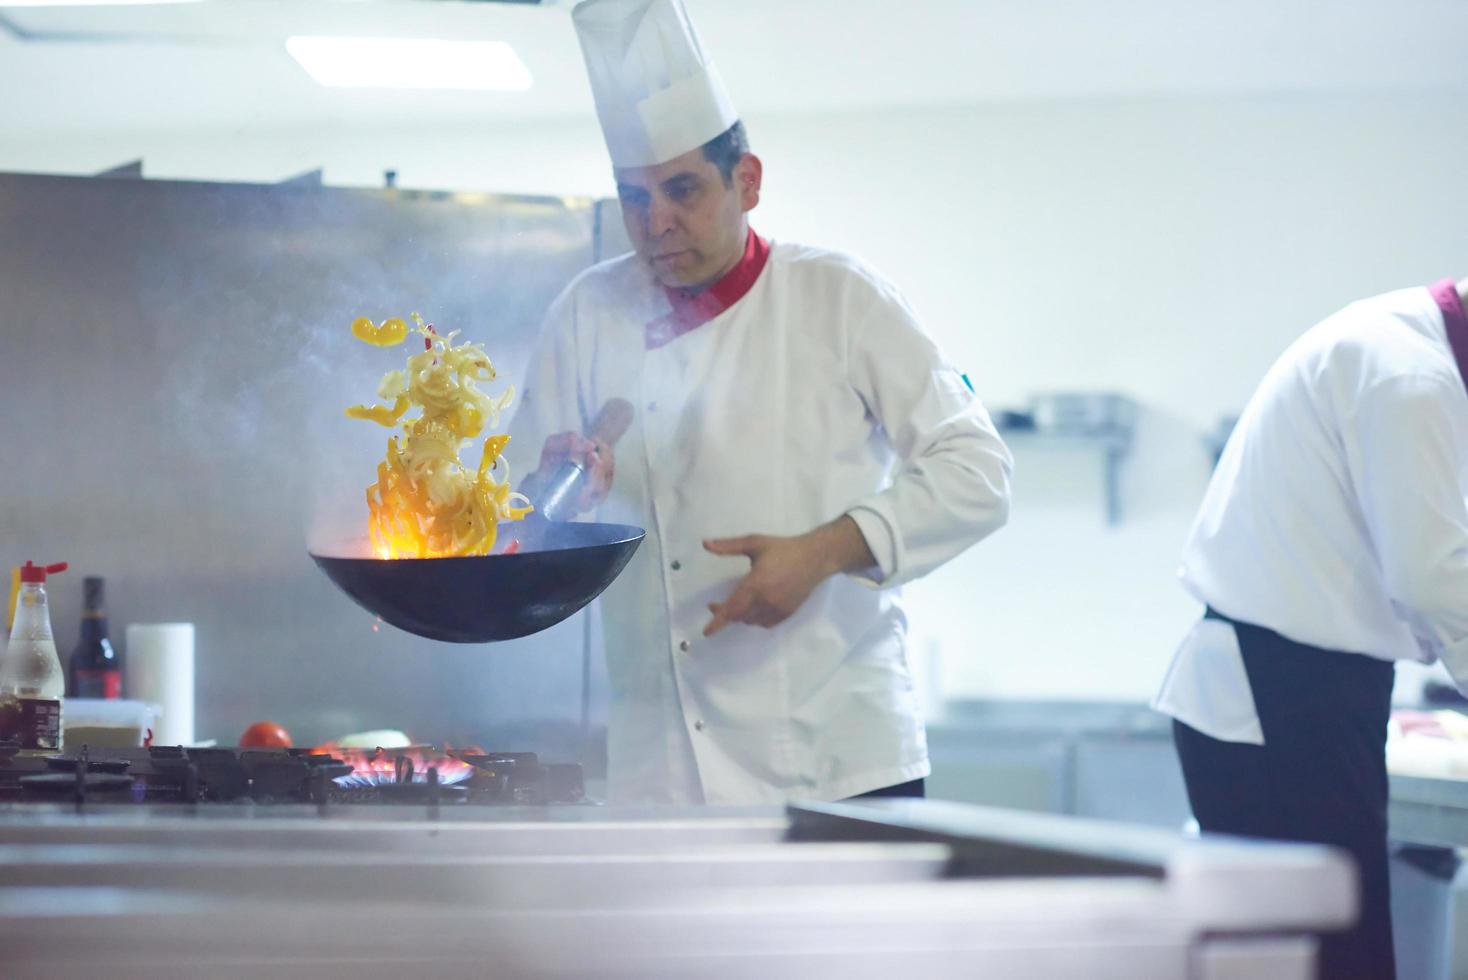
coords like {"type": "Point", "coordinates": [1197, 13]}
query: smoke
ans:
{"type": "Point", "coordinates": [252, 289]}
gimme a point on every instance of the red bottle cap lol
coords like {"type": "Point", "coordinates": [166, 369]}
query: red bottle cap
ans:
{"type": "Point", "coordinates": [34, 574]}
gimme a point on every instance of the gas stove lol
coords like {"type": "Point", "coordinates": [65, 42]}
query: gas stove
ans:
{"type": "Point", "coordinates": [420, 775]}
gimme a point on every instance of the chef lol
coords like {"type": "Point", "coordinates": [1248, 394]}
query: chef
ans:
{"type": "Point", "coordinates": [799, 448]}
{"type": "Point", "coordinates": [1333, 541]}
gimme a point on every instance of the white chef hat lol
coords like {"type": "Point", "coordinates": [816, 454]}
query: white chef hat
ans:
{"type": "Point", "coordinates": [657, 93]}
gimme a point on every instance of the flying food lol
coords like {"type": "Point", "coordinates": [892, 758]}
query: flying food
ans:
{"type": "Point", "coordinates": [426, 503]}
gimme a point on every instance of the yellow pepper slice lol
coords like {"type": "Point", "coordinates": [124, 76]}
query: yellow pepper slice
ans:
{"type": "Point", "coordinates": [493, 446]}
{"type": "Point", "coordinates": [380, 414]}
{"type": "Point", "coordinates": [388, 333]}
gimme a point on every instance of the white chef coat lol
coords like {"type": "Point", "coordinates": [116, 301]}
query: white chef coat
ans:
{"type": "Point", "coordinates": [1336, 516]}
{"type": "Point", "coordinates": [816, 394]}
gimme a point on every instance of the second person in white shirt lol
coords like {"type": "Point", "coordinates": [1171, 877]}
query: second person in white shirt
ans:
{"type": "Point", "coordinates": [1332, 542]}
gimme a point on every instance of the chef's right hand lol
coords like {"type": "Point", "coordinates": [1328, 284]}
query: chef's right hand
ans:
{"type": "Point", "coordinates": [594, 456]}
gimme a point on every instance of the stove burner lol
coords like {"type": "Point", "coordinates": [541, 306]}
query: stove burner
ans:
{"type": "Point", "coordinates": [424, 791]}
{"type": "Point", "coordinates": [521, 778]}
{"type": "Point", "coordinates": [68, 763]}
{"type": "Point", "coordinates": [173, 774]}
{"type": "Point", "coordinates": [64, 784]}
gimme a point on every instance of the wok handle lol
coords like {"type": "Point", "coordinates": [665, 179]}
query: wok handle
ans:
{"type": "Point", "coordinates": [555, 499]}
{"type": "Point", "coordinates": [612, 422]}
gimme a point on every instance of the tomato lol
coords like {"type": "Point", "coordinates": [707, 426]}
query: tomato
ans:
{"type": "Point", "coordinates": [265, 735]}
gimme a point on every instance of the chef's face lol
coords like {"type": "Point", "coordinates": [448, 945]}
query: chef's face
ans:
{"type": "Point", "coordinates": [685, 220]}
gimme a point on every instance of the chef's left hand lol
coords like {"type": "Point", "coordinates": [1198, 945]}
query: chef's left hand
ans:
{"type": "Point", "coordinates": [783, 572]}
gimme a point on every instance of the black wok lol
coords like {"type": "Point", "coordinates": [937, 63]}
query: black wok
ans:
{"type": "Point", "coordinates": [559, 568]}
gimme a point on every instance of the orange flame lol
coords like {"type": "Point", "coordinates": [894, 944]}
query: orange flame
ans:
{"type": "Point", "coordinates": [381, 765]}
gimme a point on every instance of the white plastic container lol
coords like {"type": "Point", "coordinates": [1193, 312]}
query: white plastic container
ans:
{"type": "Point", "coordinates": [115, 723]}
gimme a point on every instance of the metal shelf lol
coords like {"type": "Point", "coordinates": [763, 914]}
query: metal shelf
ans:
{"type": "Point", "coordinates": [1113, 443]}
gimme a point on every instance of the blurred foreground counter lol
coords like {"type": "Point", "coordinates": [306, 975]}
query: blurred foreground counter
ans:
{"type": "Point", "coordinates": [919, 888]}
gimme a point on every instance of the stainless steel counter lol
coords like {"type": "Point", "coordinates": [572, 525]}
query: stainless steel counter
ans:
{"type": "Point", "coordinates": [927, 888]}
{"type": "Point", "coordinates": [1429, 811]}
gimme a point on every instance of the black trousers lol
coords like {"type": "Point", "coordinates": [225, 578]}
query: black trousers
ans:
{"type": "Point", "coordinates": [1319, 776]}
{"type": "Point", "coordinates": [914, 787]}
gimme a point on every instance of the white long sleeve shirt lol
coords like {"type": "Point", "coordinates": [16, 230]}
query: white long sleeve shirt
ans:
{"type": "Point", "coordinates": [1336, 516]}
{"type": "Point", "coordinates": [816, 394]}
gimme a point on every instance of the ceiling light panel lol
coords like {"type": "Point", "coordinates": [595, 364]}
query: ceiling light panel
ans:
{"type": "Point", "coordinates": [410, 63]}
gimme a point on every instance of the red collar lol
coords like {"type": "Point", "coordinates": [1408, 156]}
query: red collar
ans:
{"type": "Point", "coordinates": [694, 309]}
{"type": "Point", "coordinates": [1454, 321]}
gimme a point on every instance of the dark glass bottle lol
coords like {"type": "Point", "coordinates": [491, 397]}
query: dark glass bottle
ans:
{"type": "Point", "coordinates": [95, 668]}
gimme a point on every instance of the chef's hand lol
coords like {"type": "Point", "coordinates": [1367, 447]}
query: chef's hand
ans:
{"type": "Point", "coordinates": [784, 571]}
{"type": "Point", "coordinates": [594, 455]}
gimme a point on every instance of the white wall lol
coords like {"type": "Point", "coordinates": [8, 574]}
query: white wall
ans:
{"type": "Point", "coordinates": [1165, 248]}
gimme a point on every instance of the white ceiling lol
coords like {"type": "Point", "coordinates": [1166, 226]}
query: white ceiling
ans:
{"type": "Point", "coordinates": [223, 65]}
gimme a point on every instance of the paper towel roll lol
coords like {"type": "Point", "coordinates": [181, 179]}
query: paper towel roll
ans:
{"type": "Point", "coordinates": [159, 667]}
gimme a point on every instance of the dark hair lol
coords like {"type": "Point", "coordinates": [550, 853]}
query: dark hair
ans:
{"type": "Point", "coordinates": [725, 150]}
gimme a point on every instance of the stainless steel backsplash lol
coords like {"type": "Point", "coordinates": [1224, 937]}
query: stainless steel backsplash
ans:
{"type": "Point", "coordinates": [174, 361]}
